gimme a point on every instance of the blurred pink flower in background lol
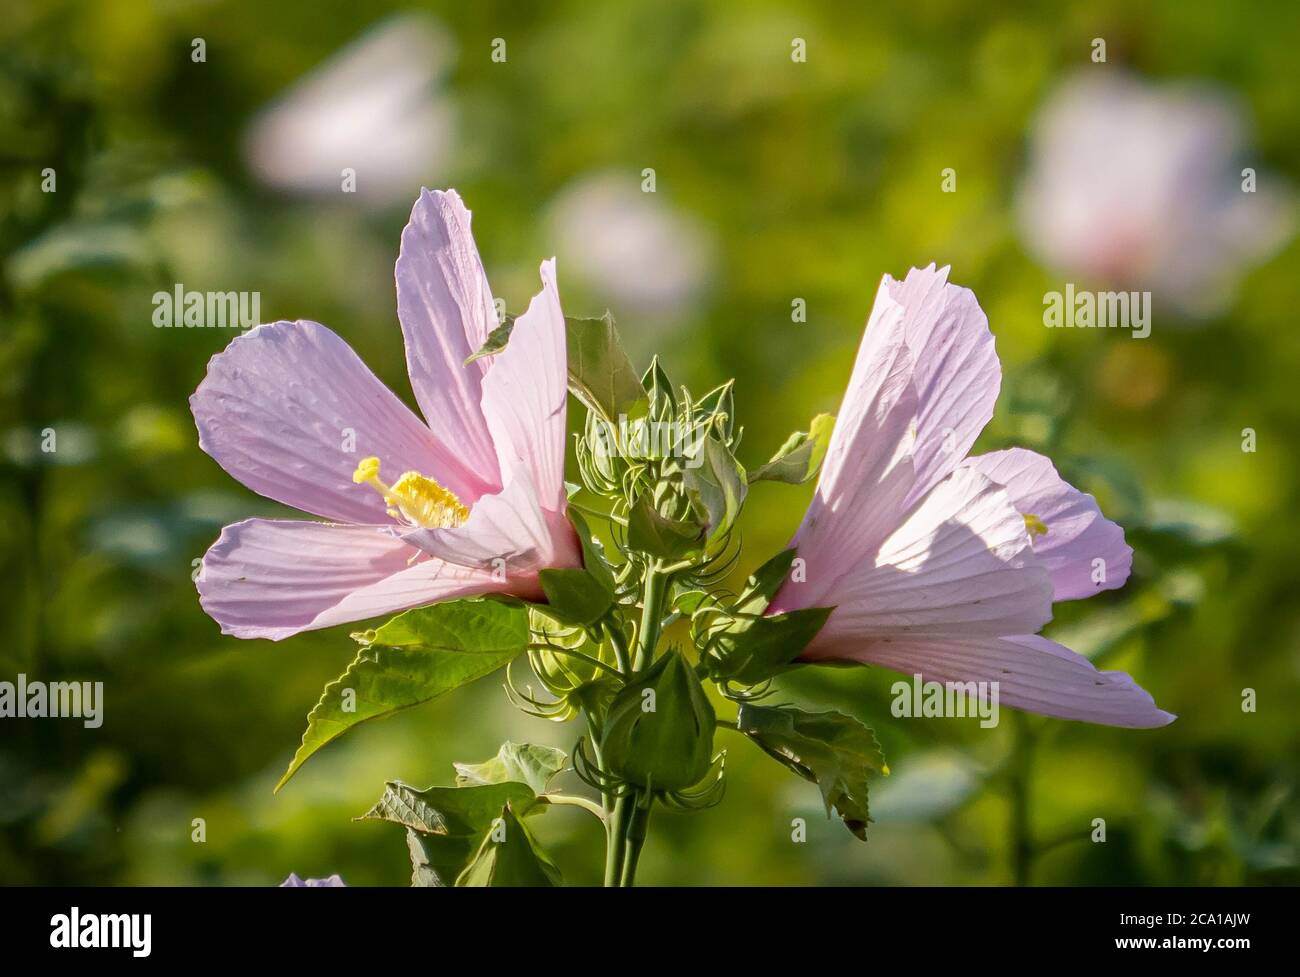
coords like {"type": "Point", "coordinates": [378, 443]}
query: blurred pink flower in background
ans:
{"type": "Point", "coordinates": [940, 563]}
{"type": "Point", "coordinates": [630, 248]}
{"type": "Point", "coordinates": [374, 108]}
{"type": "Point", "coordinates": [477, 500]}
{"type": "Point", "coordinates": [334, 881]}
{"type": "Point", "coordinates": [1139, 186]}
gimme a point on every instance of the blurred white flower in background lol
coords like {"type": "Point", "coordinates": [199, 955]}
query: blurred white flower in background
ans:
{"type": "Point", "coordinates": [1139, 186]}
{"type": "Point", "coordinates": [629, 248]}
{"type": "Point", "coordinates": [375, 107]}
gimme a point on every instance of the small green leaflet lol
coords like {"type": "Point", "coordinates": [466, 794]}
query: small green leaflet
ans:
{"type": "Point", "coordinates": [830, 749]}
{"type": "Point", "coordinates": [670, 539]}
{"type": "Point", "coordinates": [497, 340]}
{"type": "Point", "coordinates": [509, 855]}
{"type": "Point", "coordinates": [755, 647]}
{"type": "Point", "coordinates": [600, 373]}
{"type": "Point", "coordinates": [800, 458]}
{"type": "Point", "coordinates": [580, 595]}
{"type": "Point", "coordinates": [449, 810]}
{"type": "Point", "coordinates": [525, 763]}
{"type": "Point", "coordinates": [716, 486]}
{"type": "Point", "coordinates": [574, 595]}
{"type": "Point", "coordinates": [445, 826]}
{"type": "Point", "coordinates": [753, 650]}
{"type": "Point", "coordinates": [763, 583]}
{"type": "Point", "coordinates": [471, 834]}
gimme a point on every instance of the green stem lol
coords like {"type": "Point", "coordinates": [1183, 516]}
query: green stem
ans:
{"type": "Point", "coordinates": [1022, 842]}
{"type": "Point", "coordinates": [636, 835]}
{"type": "Point", "coordinates": [616, 819]}
{"type": "Point", "coordinates": [652, 613]}
{"type": "Point", "coordinates": [632, 812]}
{"type": "Point", "coordinates": [573, 800]}
{"type": "Point", "coordinates": [615, 838]}
{"type": "Point", "coordinates": [619, 640]}
{"type": "Point", "coordinates": [606, 799]}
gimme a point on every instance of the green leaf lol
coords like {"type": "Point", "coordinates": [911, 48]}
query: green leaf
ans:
{"type": "Point", "coordinates": [436, 860]}
{"type": "Point", "coordinates": [600, 373]}
{"type": "Point", "coordinates": [593, 554]}
{"type": "Point", "coordinates": [416, 657]}
{"type": "Point", "coordinates": [718, 408]}
{"type": "Point", "coordinates": [449, 810]}
{"type": "Point", "coordinates": [476, 625]}
{"type": "Point", "coordinates": [716, 486]}
{"type": "Point", "coordinates": [445, 825]}
{"type": "Point", "coordinates": [594, 696]}
{"type": "Point", "coordinates": [830, 749]}
{"type": "Point", "coordinates": [753, 650]}
{"type": "Point", "coordinates": [800, 458]}
{"type": "Point", "coordinates": [650, 532]}
{"type": "Point", "coordinates": [497, 341]}
{"type": "Point", "coordinates": [581, 595]}
{"type": "Point", "coordinates": [509, 855]}
{"type": "Point", "coordinates": [525, 763]}
{"type": "Point", "coordinates": [663, 399]}
{"type": "Point", "coordinates": [575, 595]}
{"type": "Point", "coordinates": [763, 583]}
{"type": "Point", "coordinates": [689, 601]}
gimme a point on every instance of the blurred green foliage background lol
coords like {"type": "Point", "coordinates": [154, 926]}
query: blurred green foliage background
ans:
{"type": "Point", "coordinates": [777, 180]}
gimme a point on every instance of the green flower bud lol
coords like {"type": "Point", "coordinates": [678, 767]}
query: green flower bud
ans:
{"type": "Point", "coordinates": [560, 673]}
{"type": "Point", "coordinates": [605, 454]}
{"type": "Point", "coordinates": [571, 679]}
{"type": "Point", "coordinates": [599, 460]}
{"type": "Point", "coordinates": [658, 733]}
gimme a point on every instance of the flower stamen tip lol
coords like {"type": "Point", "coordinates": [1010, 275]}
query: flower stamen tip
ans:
{"type": "Point", "coordinates": [1035, 525]}
{"type": "Point", "coordinates": [367, 471]}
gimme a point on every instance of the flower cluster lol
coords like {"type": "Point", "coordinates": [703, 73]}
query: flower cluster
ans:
{"type": "Point", "coordinates": [914, 554]}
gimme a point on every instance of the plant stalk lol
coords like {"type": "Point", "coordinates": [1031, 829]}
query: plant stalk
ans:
{"type": "Point", "coordinates": [1022, 842]}
{"type": "Point", "coordinates": [636, 834]}
{"type": "Point", "coordinates": [628, 821]}
{"type": "Point", "coordinates": [615, 839]}
{"type": "Point", "coordinates": [653, 593]}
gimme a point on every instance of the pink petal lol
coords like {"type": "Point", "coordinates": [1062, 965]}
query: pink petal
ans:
{"type": "Point", "coordinates": [266, 578]}
{"type": "Point", "coordinates": [866, 473]}
{"type": "Point", "coordinates": [289, 409]}
{"type": "Point", "coordinates": [525, 393]}
{"type": "Point", "coordinates": [1032, 673]}
{"type": "Point", "coordinates": [446, 311]}
{"type": "Point", "coordinates": [957, 374]}
{"type": "Point", "coordinates": [1077, 533]}
{"type": "Point", "coordinates": [961, 564]}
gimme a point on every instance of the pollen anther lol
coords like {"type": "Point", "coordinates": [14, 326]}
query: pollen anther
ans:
{"type": "Point", "coordinates": [415, 498]}
{"type": "Point", "coordinates": [1035, 525]}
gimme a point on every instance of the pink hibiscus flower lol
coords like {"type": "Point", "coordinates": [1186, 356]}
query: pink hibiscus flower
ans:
{"type": "Point", "coordinates": [942, 564]}
{"type": "Point", "coordinates": [476, 502]}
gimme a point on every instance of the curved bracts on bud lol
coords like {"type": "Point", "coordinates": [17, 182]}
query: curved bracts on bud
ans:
{"type": "Point", "coordinates": [739, 643]}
